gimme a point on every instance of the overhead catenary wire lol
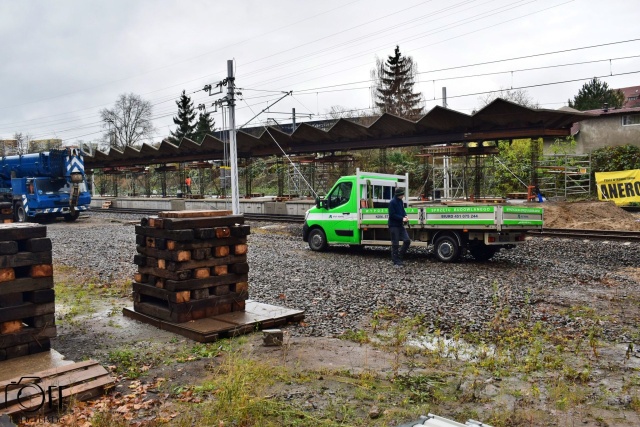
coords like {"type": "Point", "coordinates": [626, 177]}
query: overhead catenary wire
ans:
{"type": "Point", "coordinates": [284, 153]}
{"type": "Point", "coordinates": [254, 61]}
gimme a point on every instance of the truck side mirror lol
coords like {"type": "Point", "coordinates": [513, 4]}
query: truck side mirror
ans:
{"type": "Point", "coordinates": [318, 201]}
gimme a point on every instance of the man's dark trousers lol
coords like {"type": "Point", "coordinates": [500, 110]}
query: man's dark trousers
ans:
{"type": "Point", "coordinates": [399, 234]}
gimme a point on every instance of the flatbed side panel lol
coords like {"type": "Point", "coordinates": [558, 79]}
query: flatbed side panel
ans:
{"type": "Point", "coordinates": [461, 215]}
{"type": "Point", "coordinates": [380, 216]}
{"type": "Point", "coordinates": [521, 216]}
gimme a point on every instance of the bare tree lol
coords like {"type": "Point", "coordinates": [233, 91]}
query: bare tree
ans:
{"type": "Point", "coordinates": [22, 142]}
{"type": "Point", "coordinates": [128, 122]}
{"type": "Point", "coordinates": [518, 96]}
{"type": "Point", "coordinates": [355, 115]}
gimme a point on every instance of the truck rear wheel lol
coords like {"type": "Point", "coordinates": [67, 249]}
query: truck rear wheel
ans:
{"type": "Point", "coordinates": [72, 216]}
{"type": "Point", "coordinates": [317, 240]}
{"type": "Point", "coordinates": [482, 252]}
{"type": "Point", "coordinates": [19, 213]}
{"type": "Point", "coordinates": [447, 249]}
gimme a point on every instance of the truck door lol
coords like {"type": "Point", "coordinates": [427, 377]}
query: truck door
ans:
{"type": "Point", "coordinates": [342, 214]}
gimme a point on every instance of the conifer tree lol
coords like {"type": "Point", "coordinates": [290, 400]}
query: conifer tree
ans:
{"type": "Point", "coordinates": [204, 127]}
{"type": "Point", "coordinates": [394, 87]}
{"type": "Point", "coordinates": [594, 94]}
{"type": "Point", "coordinates": [184, 119]}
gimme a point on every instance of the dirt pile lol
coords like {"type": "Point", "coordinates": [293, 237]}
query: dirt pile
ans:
{"type": "Point", "coordinates": [589, 216]}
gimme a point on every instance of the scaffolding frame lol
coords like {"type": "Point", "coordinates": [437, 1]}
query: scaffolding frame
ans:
{"type": "Point", "coordinates": [561, 176]}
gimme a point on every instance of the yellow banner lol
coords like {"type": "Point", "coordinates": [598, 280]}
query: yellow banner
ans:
{"type": "Point", "coordinates": [619, 187]}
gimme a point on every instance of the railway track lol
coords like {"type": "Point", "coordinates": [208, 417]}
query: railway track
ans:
{"type": "Point", "coordinates": [572, 233]}
{"type": "Point", "coordinates": [253, 217]}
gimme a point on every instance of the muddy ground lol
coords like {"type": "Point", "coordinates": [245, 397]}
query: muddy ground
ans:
{"type": "Point", "coordinates": [91, 325]}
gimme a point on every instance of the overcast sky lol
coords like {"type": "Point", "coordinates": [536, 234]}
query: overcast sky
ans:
{"type": "Point", "coordinates": [62, 61]}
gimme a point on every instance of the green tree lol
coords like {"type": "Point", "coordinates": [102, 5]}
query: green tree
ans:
{"type": "Point", "coordinates": [204, 126]}
{"type": "Point", "coordinates": [394, 93]}
{"type": "Point", "coordinates": [184, 119]}
{"type": "Point", "coordinates": [594, 94]}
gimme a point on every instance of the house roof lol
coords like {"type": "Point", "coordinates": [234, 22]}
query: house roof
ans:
{"type": "Point", "coordinates": [631, 92]}
{"type": "Point", "coordinates": [498, 120]}
{"type": "Point", "coordinates": [613, 111]}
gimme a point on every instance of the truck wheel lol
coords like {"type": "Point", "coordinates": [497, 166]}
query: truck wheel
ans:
{"type": "Point", "coordinates": [317, 240]}
{"type": "Point", "coordinates": [72, 216]}
{"type": "Point", "coordinates": [19, 213]}
{"type": "Point", "coordinates": [447, 249]}
{"type": "Point", "coordinates": [482, 252]}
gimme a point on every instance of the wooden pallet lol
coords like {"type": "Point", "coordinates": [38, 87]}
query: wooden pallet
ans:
{"type": "Point", "coordinates": [256, 316]}
{"type": "Point", "coordinates": [80, 381]}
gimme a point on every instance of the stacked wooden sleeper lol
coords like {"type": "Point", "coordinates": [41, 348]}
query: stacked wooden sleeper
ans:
{"type": "Point", "coordinates": [191, 265]}
{"type": "Point", "coordinates": [6, 212]}
{"type": "Point", "coordinates": [27, 298]}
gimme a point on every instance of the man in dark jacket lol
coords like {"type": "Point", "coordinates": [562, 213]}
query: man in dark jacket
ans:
{"type": "Point", "coordinates": [397, 219]}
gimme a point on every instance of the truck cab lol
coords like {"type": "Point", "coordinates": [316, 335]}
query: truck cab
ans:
{"type": "Point", "coordinates": [355, 212]}
{"type": "Point", "coordinates": [42, 186]}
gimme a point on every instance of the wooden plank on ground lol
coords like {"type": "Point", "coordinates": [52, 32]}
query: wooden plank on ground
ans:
{"type": "Point", "coordinates": [81, 381]}
{"type": "Point", "coordinates": [193, 213]}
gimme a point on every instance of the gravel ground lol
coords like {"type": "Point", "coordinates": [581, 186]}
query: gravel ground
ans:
{"type": "Point", "coordinates": [341, 288]}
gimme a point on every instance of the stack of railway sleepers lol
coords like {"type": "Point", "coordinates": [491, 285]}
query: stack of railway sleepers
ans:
{"type": "Point", "coordinates": [27, 299]}
{"type": "Point", "coordinates": [191, 265]}
{"type": "Point", "coordinates": [6, 212]}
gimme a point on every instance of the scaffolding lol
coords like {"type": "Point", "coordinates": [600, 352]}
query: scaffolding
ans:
{"type": "Point", "coordinates": [563, 176]}
{"type": "Point", "coordinates": [458, 172]}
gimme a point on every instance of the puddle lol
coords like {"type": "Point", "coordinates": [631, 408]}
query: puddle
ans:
{"type": "Point", "coordinates": [452, 348]}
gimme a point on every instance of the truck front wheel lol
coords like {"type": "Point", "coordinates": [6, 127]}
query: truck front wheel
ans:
{"type": "Point", "coordinates": [19, 213]}
{"type": "Point", "coordinates": [317, 240]}
{"type": "Point", "coordinates": [72, 216]}
{"type": "Point", "coordinates": [447, 249]}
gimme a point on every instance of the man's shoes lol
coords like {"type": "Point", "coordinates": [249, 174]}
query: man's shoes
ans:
{"type": "Point", "coordinates": [397, 265]}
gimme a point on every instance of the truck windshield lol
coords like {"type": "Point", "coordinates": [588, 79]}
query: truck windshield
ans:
{"type": "Point", "coordinates": [340, 194]}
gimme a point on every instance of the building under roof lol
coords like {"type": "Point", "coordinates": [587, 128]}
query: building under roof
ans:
{"type": "Point", "coordinates": [499, 120]}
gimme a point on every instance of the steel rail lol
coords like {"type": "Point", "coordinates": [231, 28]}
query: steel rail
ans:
{"type": "Point", "coordinates": [248, 216]}
{"type": "Point", "coordinates": [573, 233]}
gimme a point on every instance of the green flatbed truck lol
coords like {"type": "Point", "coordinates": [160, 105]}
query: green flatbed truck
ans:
{"type": "Point", "coordinates": [355, 213]}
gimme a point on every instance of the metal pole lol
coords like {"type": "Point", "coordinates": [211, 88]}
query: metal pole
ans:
{"type": "Point", "coordinates": [235, 202]}
{"type": "Point", "coordinates": [293, 113]}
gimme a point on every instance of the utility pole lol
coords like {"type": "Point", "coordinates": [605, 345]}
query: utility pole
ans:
{"type": "Point", "coordinates": [293, 113]}
{"type": "Point", "coordinates": [445, 159]}
{"type": "Point", "coordinates": [235, 202]}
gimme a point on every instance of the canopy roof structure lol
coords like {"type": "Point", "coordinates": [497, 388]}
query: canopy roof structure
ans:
{"type": "Point", "coordinates": [499, 120]}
